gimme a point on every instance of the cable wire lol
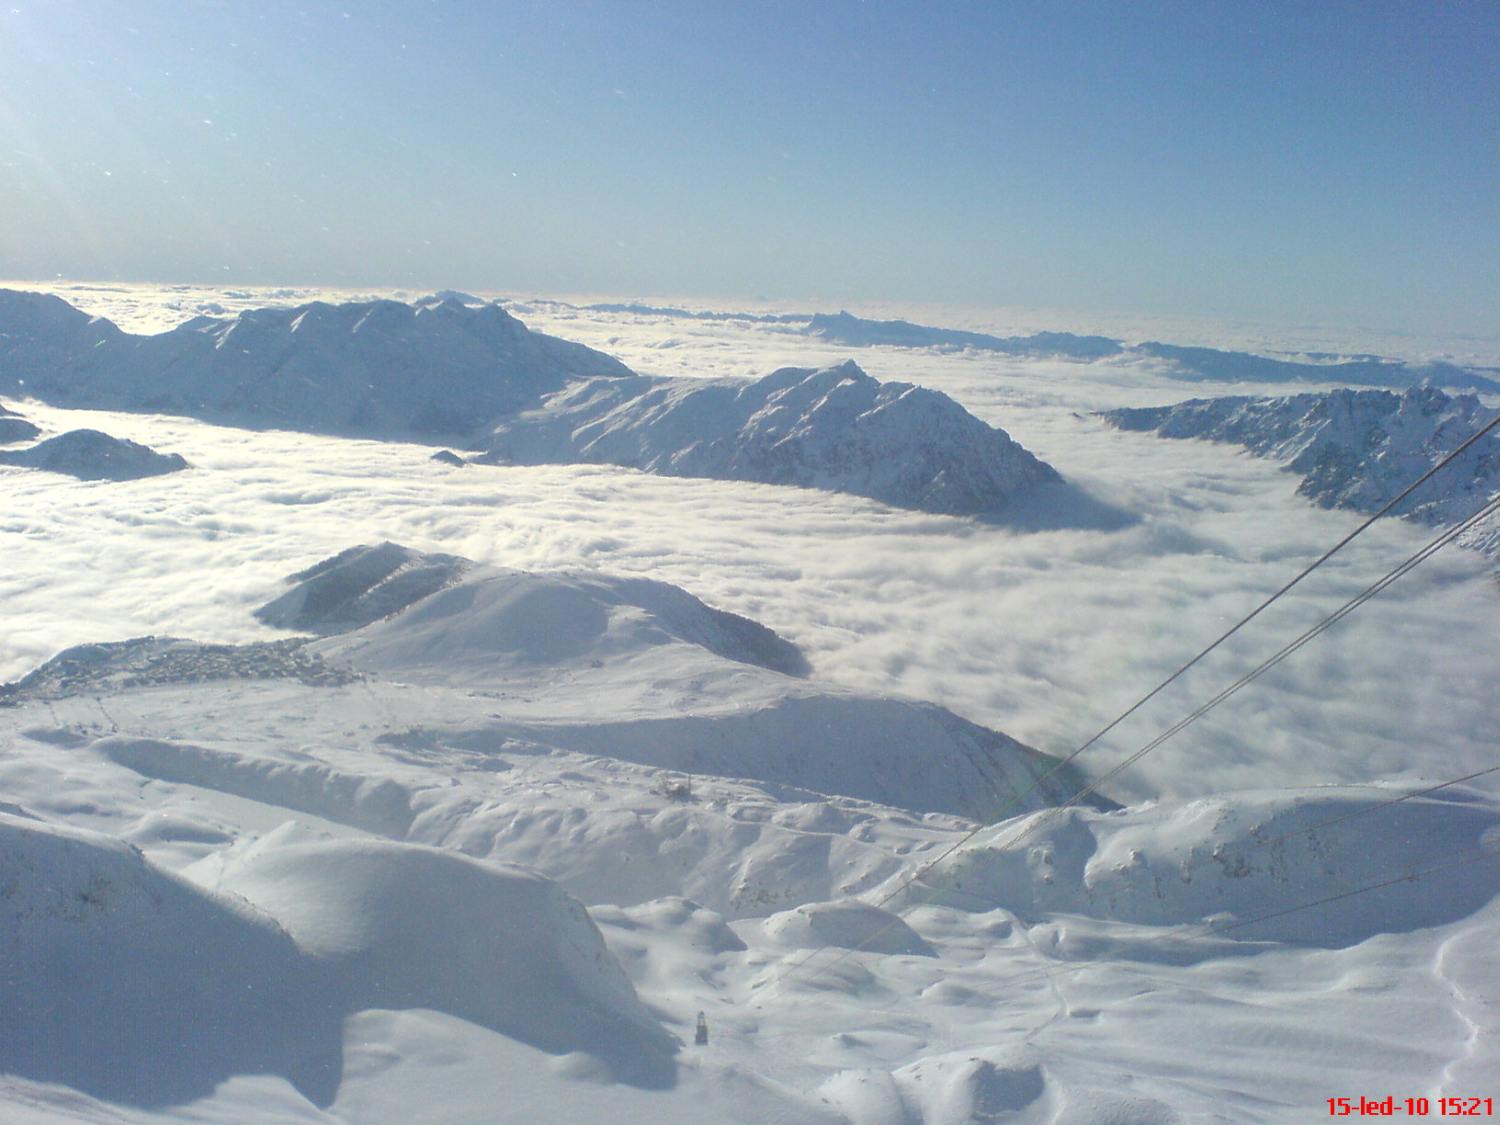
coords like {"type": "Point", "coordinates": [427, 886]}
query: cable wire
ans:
{"type": "Point", "coordinates": [1287, 650]}
{"type": "Point", "coordinates": [1408, 877]}
{"type": "Point", "coordinates": [1256, 612]}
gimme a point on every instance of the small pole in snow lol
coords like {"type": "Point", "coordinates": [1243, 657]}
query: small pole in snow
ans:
{"type": "Point", "coordinates": [700, 1036]}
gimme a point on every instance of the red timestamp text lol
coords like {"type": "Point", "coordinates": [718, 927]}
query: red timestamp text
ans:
{"type": "Point", "coordinates": [1392, 1106]}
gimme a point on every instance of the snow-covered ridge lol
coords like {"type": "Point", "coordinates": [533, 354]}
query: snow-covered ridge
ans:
{"type": "Point", "coordinates": [411, 610]}
{"type": "Point", "coordinates": [92, 455]}
{"type": "Point", "coordinates": [831, 428]}
{"type": "Point", "coordinates": [437, 369]}
{"type": "Point", "coordinates": [447, 370]}
{"type": "Point", "coordinates": [358, 586]}
{"type": "Point", "coordinates": [1217, 365]}
{"type": "Point", "coordinates": [846, 328]}
{"type": "Point", "coordinates": [1354, 449]}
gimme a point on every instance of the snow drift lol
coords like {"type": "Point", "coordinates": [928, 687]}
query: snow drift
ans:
{"type": "Point", "coordinates": [405, 926]}
{"type": "Point", "coordinates": [1232, 860]}
{"type": "Point", "coordinates": [143, 987]}
{"type": "Point", "coordinates": [132, 984]}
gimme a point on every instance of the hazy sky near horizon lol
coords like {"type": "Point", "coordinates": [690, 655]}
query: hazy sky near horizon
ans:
{"type": "Point", "coordinates": [1307, 162]}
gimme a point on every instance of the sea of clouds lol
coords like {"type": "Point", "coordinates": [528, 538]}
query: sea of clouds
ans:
{"type": "Point", "coordinates": [1046, 635]}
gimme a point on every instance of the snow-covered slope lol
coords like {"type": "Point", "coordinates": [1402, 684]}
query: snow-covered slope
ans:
{"type": "Point", "coordinates": [436, 369]}
{"type": "Point", "coordinates": [91, 455]}
{"type": "Point", "coordinates": [328, 917]}
{"type": "Point", "coordinates": [658, 678]}
{"type": "Point", "coordinates": [1228, 861]}
{"type": "Point", "coordinates": [41, 333]}
{"type": "Point", "coordinates": [497, 616]}
{"type": "Point", "coordinates": [1354, 449]}
{"type": "Point", "coordinates": [131, 983]}
{"type": "Point", "coordinates": [358, 586]}
{"type": "Point", "coordinates": [1090, 973]}
{"type": "Point", "coordinates": [833, 428]}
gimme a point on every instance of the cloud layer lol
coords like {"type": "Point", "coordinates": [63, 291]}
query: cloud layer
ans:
{"type": "Point", "coordinates": [1045, 635]}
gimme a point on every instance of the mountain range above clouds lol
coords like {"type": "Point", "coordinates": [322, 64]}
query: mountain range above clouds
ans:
{"type": "Point", "coordinates": [722, 811]}
{"type": "Point", "coordinates": [1192, 364]}
{"type": "Point", "coordinates": [451, 370]}
{"type": "Point", "coordinates": [434, 370]}
{"type": "Point", "coordinates": [1355, 449]}
{"type": "Point", "coordinates": [1174, 361]}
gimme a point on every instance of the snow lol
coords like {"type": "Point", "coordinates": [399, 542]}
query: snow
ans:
{"type": "Point", "coordinates": [401, 926]}
{"type": "Point", "coordinates": [1355, 449]}
{"type": "Point", "coordinates": [437, 370]}
{"type": "Point", "coordinates": [485, 617]}
{"type": "Point", "coordinates": [91, 455]}
{"type": "Point", "coordinates": [129, 983]}
{"type": "Point", "coordinates": [845, 925]}
{"type": "Point", "coordinates": [447, 368]}
{"type": "Point", "coordinates": [1189, 363]}
{"type": "Point", "coordinates": [14, 428]}
{"type": "Point", "coordinates": [845, 328]}
{"type": "Point", "coordinates": [833, 428]}
{"type": "Point", "coordinates": [473, 828]}
{"type": "Point", "coordinates": [1231, 860]}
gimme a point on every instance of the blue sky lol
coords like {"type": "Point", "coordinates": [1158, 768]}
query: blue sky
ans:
{"type": "Point", "coordinates": [1310, 162]}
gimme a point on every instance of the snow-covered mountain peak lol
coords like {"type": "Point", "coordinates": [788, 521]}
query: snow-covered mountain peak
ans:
{"type": "Point", "coordinates": [833, 428]}
{"type": "Point", "coordinates": [371, 368]}
{"type": "Point", "coordinates": [446, 296]}
{"type": "Point", "coordinates": [24, 313]}
{"type": "Point", "coordinates": [39, 331]}
{"type": "Point", "coordinates": [94, 455]}
{"type": "Point", "coordinates": [410, 612]}
{"type": "Point", "coordinates": [439, 327]}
